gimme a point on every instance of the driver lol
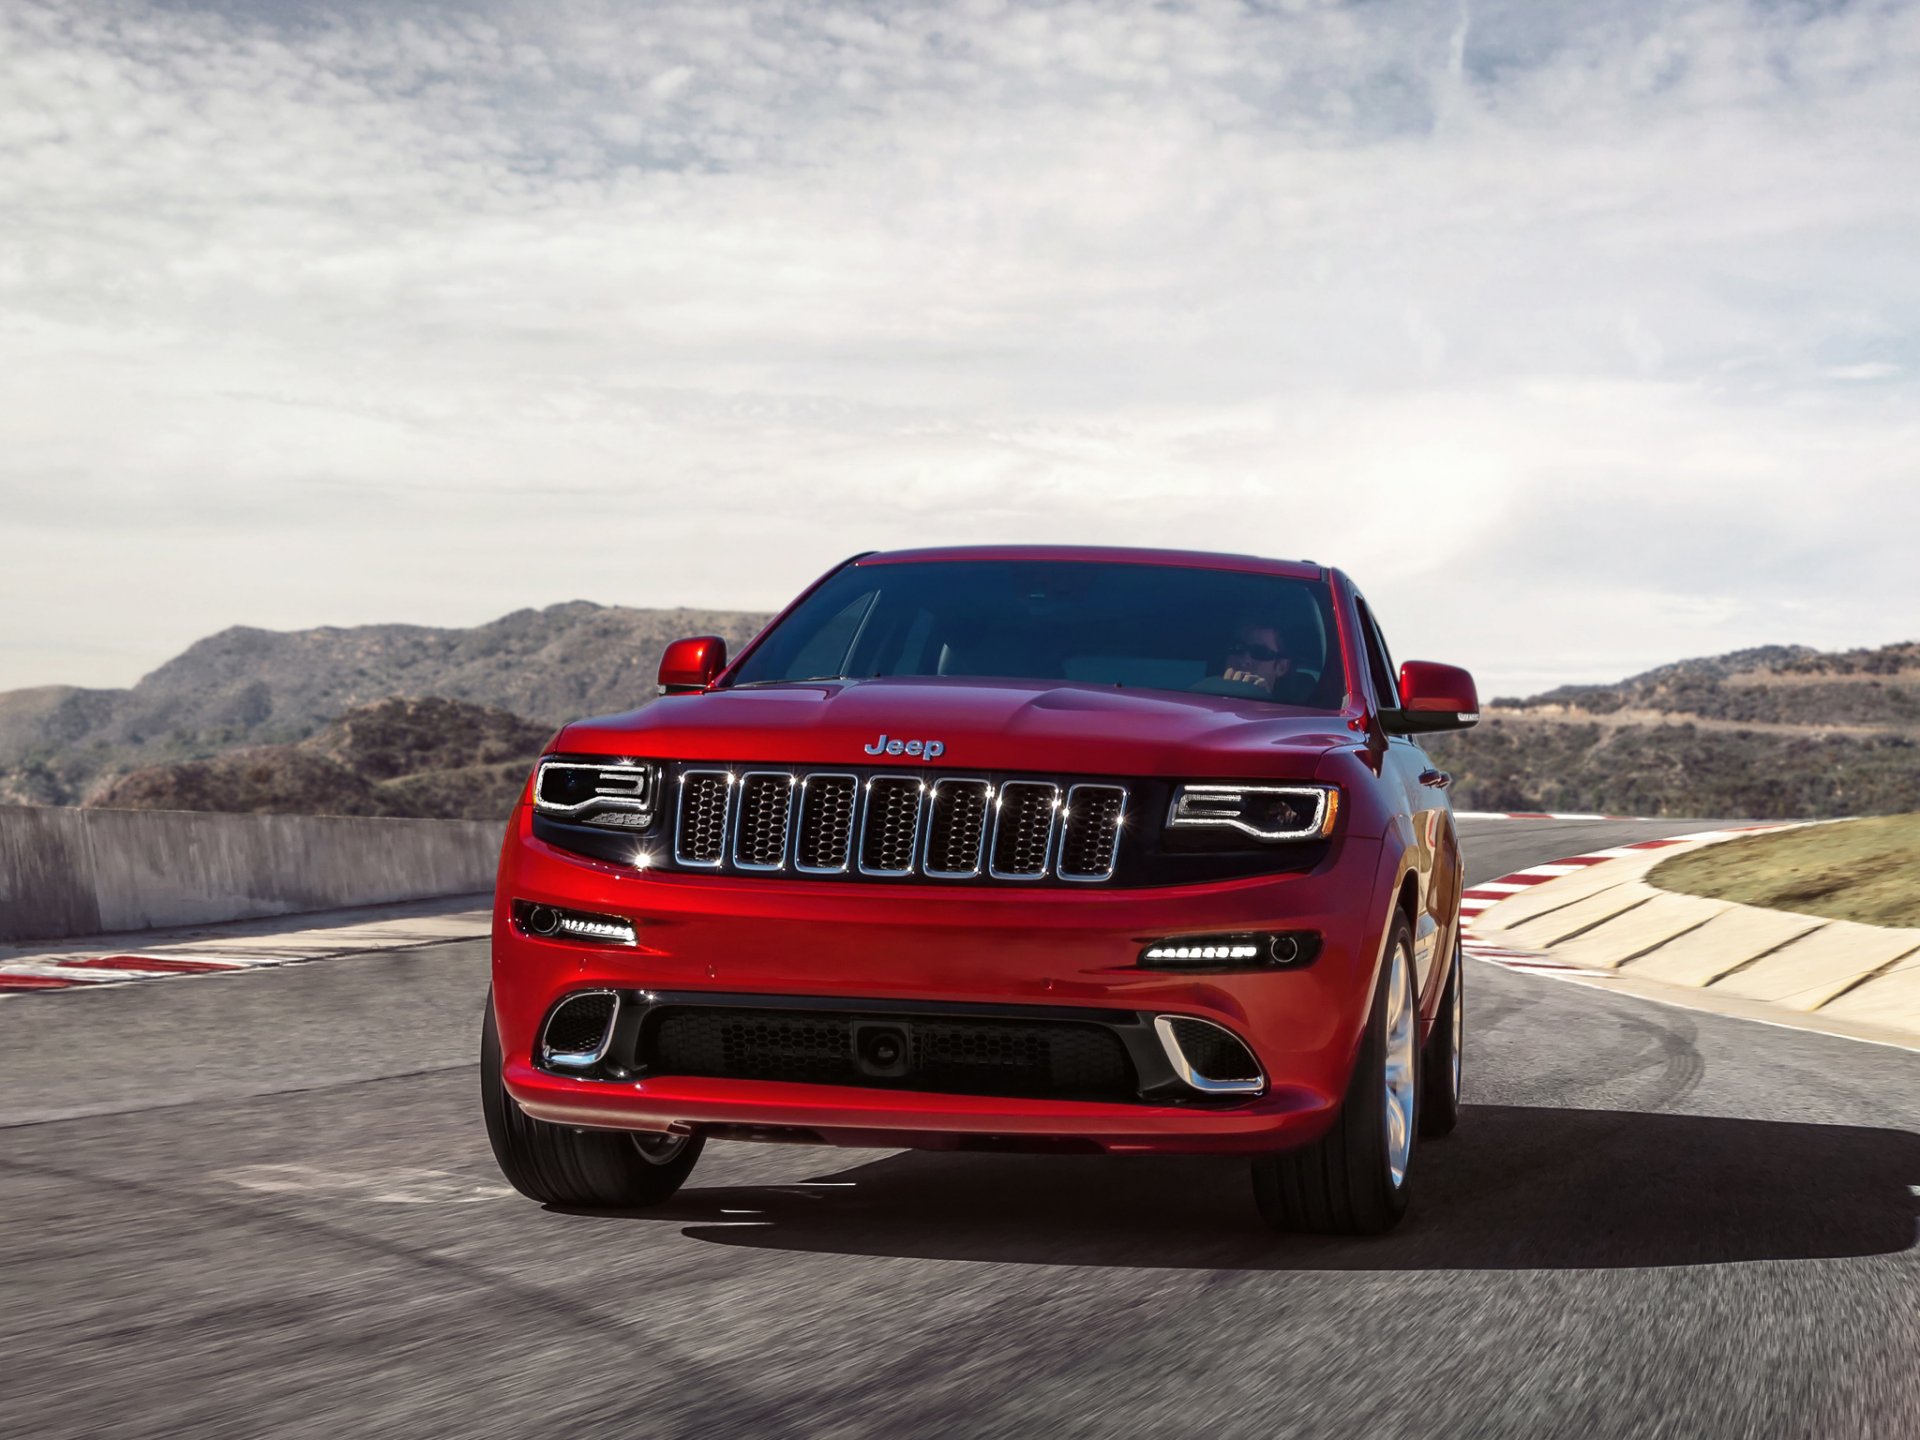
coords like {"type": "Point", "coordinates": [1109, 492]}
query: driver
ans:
{"type": "Point", "coordinates": [1256, 656]}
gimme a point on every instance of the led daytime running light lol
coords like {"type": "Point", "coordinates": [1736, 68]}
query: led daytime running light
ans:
{"type": "Point", "coordinates": [550, 922]}
{"type": "Point", "coordinates": [1201, 952]}
{"type": "Point", "coordinates": [1282, 950]}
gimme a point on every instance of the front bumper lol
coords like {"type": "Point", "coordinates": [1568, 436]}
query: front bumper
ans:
{"type": "Point", "coordinates": [934, 948]}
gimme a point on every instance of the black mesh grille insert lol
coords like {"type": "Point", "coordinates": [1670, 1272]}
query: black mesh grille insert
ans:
{"type": "Point", "coordinates": [579, 1025]}
{"type": "Point", "coordinates": [825, 839]}
{"type": "Point", "coordinates": [1035, 1058]}
{"type": "Point", "coordinates": [892, 825]}
{"type": "Point", "coordinates": [760, 828]}
{"type": "Point", "coordinates": [957, 827]}
{"type": "Point", "coordinates": [1092, 831]}
{"type": "Point", "coordinates": [702, 834]}
{"type": "Point", "coordinates": [1023, 829]}
{"type": "Point", "coordinates": [748, 1045]}
{"type": "Point", "coordinates": [1213, 1053]}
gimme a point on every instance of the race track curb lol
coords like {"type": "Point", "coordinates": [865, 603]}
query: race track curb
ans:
{"type": "Point", "coordinates": [1594, 919]}
{"type": "Point", "coordinates": [241, 945]}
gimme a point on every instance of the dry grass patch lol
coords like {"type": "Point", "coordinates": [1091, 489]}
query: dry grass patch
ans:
{"type": "Point", "coordinates": [1864, 870]}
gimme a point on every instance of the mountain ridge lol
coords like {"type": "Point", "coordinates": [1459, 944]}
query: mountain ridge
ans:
{"type": "Point", "coordinates": [245, 686]}
{"type": "Point", "coordinates": [1775, 732]}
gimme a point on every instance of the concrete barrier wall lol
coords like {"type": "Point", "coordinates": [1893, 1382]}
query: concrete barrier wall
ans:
{"type": "Point", "coordinates": [87, 872]}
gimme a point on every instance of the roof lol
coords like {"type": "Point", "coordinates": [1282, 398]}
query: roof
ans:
{"type": "Point", "coordinates": [1104, 555]}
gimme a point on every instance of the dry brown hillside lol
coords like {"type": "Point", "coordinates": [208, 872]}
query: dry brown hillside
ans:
{"type": "Point", "coordinates": [1779, 733]}
{"type": "Point", "coordinates": [246, 687]}
{"type": "Point", "coordinates": [442, 759]}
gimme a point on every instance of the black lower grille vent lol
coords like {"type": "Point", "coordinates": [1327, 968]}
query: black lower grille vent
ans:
{"type": "Point", "coordinates": [579, 1025]}
{"type": "Point", "coordinates": [1033, 1058]}
{"type": "Point", "coordinates": [1213, 1053]}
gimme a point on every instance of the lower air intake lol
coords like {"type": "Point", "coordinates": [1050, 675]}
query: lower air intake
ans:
{"type": "Point", "coordinates": [576, 1033]}
{"type": "Point", "coordinates": [1032, 1058]}
{"type": "Point", "coordinates": [1208, 1057]}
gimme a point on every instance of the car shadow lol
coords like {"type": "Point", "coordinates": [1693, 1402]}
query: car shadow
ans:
{"type": "Point", "coordinates": [1513, 1188]}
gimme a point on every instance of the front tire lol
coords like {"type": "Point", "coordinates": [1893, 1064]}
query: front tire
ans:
{"type": "Point", "coordinates": [1440, 1066]}
{"type": "Point", "coordinates": [1355, 1179]}
{"type": "Point", "coordinates": [576, 1169]}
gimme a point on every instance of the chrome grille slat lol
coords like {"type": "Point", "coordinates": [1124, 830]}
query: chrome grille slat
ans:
{"type": "Point", "coordinates": [1090, 832]}
{"type": "Point", "coordinates": [890, 829]}
{"type": "Point", "coordinates": [762, 810]}
{"type": "Point", "coordinates": [958, 811]}
{"type": "Point", "coordinates": [823, 843]}
{"type": "Point", "coordinates": [1023, 821]}
{"type": "Point", "coordinates": [700, 818]}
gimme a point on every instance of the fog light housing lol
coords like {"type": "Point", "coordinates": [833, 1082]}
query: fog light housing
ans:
{"type": "Point", "coordinates": [1276, 950]}
{"type": "Point", "coordinates": [551, 922]}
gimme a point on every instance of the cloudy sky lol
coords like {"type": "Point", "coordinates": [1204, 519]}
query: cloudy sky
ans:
{"type": "Point", "coordinates": [1585, 336]}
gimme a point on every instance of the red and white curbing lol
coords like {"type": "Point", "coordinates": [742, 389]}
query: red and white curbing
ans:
{"type": "Point", "coordinates": [246, 945]}
{"type": "Point", "coordinates": [70, 971]}
{"type": "Point", "coordinates": [1477, 899]}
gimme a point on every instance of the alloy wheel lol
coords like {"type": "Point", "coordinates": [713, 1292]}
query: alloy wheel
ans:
{"type": "Point", "coordinates": [1400, 1061]}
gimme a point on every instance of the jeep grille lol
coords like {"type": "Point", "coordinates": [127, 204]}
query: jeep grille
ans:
{"type": "Point", "coordinates": [892, 826]}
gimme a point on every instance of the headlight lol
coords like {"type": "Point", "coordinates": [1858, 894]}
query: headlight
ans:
{"type": "Point", "coordinates": [1267, 813]}
{"type": "Point", "coordinates": [616, 793]}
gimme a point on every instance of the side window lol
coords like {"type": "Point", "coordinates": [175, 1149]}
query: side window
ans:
{"type": "Point", "coordinates": [1386, 685]}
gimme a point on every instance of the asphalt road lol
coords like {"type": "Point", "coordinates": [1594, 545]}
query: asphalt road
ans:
{"type": "Point", "coordinates": [1650, 1222]}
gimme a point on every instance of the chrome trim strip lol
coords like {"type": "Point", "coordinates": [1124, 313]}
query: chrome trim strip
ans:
{"type": "Point", "coordinates": [800, 823]}
{"type": "Point", "coordinates": [1119, 829]}
{"type": "Point", "coordinates": [579, 1059]}
{"type": "Point", "coordinates": [926, 840]}
{"type": "Point", "coordinates": [1318, 829]}
{"type": "Point", "coordinates": [1163, 1028]}
{"type": "Point", "coordinates": [680, 820]}
{"type": "Point", "coordinates": [1046, 849]}
{"type": "Point", "coordinates": [866, 809]}
{"type": "Point", "coordinates": [786, 821]}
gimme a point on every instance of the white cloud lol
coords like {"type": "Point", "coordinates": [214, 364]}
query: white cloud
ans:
{"type": "Point", "coordinates": [1549, 323]}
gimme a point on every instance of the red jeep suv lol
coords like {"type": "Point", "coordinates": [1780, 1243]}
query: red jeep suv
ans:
{"type": "Point", "coordinates": [1048, 849]}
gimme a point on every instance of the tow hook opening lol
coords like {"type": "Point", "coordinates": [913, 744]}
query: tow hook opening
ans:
{"type": "Point", "coordinates": [881, 1049]}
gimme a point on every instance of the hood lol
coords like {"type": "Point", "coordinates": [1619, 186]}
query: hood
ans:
{"type": "Point", "coordinates": [978, 725]}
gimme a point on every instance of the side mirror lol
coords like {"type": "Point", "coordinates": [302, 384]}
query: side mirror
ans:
{"type": "Point", "coordinates": [1434, 697]}
{"type": "Point", "coordinates": [690, 665]}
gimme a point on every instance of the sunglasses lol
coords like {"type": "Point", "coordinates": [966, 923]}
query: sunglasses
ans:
{"type": "Point", "coordinates": [1254, 652]}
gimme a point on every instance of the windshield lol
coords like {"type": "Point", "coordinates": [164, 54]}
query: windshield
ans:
{"type": "Point", "coordinates": [1149, 627]}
